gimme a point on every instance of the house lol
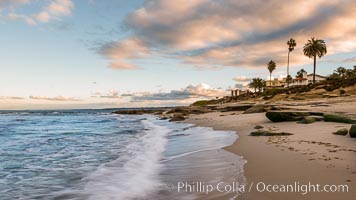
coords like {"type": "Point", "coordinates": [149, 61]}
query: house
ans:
{"type": "Point", "coordinates": [318, 78]}
{"type": "Point", "coordinates": [238, 92]}
{"type": "Point", "coordinates": [306, 79]}
{"type": "Point", "coordinates": [276, 83]}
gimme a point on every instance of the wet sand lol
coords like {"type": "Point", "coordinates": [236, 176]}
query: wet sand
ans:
{"type": "Point", "coordinates": [312, 154]}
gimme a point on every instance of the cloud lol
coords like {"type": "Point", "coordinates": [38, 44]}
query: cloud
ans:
{"type": "Point", "coordinates": [60, 7]}
{"type": "Point", "coordinates": [241, 78]}
{"type": "Point", "coordinates": [119, 52]}
{"type": "Point", "coordinates": [113, 94]}
{"type": "Point", "coordinates": [241, 82]}
{"type": "Point", "coordinates": [228, 33]}
{"type": "Point", "coordinates": [11, 97]}
{"type": "Point", "coordinates": [183, 96]}
{"type": "Point", "coordinates": [350, 60]}
{"type": "Point", "coordinates": [190, 93]}
{"type": "Point", "coordinates": [12, 3]}
{"type": "Point", "coordinates": [57, 98]}
{"type": "Point", "coordinates": [53, 11]}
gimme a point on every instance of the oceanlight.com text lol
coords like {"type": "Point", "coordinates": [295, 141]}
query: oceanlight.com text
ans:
{"type": "Point", "coordinates": [235, 187]}
{"type": "Point", "coordinates": [300, 188]}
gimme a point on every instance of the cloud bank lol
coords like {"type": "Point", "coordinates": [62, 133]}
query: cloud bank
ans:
{"type": "Point", "coordinates": [57, 98]}
{"type": "Point", "coordinates": [229, 33]}
{"type": "Point", "coordinates": [11, 97]}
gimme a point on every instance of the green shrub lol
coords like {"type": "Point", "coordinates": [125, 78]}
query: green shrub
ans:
{"type": "Point", "coordinates": [201, 103]}
{"type": "Point", "coordinates": [339, 118]}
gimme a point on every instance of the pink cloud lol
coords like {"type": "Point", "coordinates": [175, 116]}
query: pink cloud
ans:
{"type": "Point", "coordinates": [228, 33]}
{"type": "Point", "coordinates": [120, 52]}
{"type": "Point", "coordinates": [56, 98]}
{"type": "Point", "coordinates": [54, 11]}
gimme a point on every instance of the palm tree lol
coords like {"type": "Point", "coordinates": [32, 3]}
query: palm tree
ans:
{"type": "Point", "coordinates": [260, 84]}
{"type": "Point", "coordinates": [271, 65]}
{"type": "Point", "coordinates": [257, 83]}
{"type": "Point", "coordinates": [291, 44]}
{"type": "Point", "coordinates": [253, 84]}
{"type": "Point", "coordinates": [300, 73]}
{"type": "Point", "coordinates": [315, 47]}
{"type": "Point", "coordinates": [289, 79]}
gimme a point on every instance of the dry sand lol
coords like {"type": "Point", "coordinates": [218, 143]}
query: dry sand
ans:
{"type": "Point", "coordinates": [312, 154]}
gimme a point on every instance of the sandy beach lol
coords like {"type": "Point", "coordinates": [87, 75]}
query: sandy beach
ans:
{"type": "Point", "coordinates": [312, 154]}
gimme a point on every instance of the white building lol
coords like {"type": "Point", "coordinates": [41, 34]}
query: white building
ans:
{"type": "Point", "coordinates": [306, 79]}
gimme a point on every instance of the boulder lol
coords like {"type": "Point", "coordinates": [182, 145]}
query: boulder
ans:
{"type": "Point", "coordinates": [352, 131]}
{"type": "Point", "coordinates": [342, 131]}
{"type": "Point", "coordinates": [258, 109]}
{"type": "Point", "coordinates": [129, 112]}
{"type": "Point", "coordinates": [284, 116]}
{"type": "Point", "coordinates": [141, 111]}
{"type": "Point", "coordinates": [258, 127]}
{"type": "Point", "coordinates": [339, 118]}
{"type": "Point", "coordinates": [268, 133]}
{"type": "Point", "coordinates": [310, 119]}
{"type": "Point", "coordinates": [189, 110]}
{"type": "Point", "coordinates": [177, 117]}
{"type": "Point", "coordinates": [236, 108]}
{"type": "Point", "coordinates": [307, 120]}
{"type": "Point", "coordinates": [163, 117]}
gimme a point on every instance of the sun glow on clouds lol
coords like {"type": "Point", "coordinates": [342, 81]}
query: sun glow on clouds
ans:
{"type": "Point", "coordinates": [206, 34]}
{"type": "Point", "coordinates": [181, 96]}
{"type": "Point", "coordinates": [228, 33]}
{"type": "Point", "coordinates": [114, 98]}
{"type": "Point", "coordinates": [57, 98]}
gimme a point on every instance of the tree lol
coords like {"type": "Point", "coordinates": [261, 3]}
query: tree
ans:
{"type": "Point", "coordinates": [289, 79]}
{"type": "Point", "coordinates": [253, 84]}
{"type": "Point", "coordinates": [315, 47]}
{"type": "Point", "coordinates": [271, 66]}
{"type": "Point", "coordinates": [257, 83]}
{"type": "Point", "coordinates": [260, 84]}
{"type": "Point", "coordinates": [291, 44]}
{"type": "Point", "coordinates": [300, 73]}
{"type": "Point", "coordinates": [341, 71]}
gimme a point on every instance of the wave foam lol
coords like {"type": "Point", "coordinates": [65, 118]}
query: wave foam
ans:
{"type": "Point", "coordinates": [133, 175]}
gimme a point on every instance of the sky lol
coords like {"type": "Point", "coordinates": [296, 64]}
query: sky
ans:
{"type": "Point", "coordinates": [64, 54]}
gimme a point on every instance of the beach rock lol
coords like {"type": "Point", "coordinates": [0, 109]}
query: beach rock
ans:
{"type": "Point", "coordinates": [333, 96]}
{"type": "Point", "coordinates": [342, 131]}
{"type": "Point", "coordinates": [258, 127]}
{"type": "Point", "coordinates": [352, 131]}
{"type": "Point", "coordinates": [236, 108]}
{"type": "Point", "coordinates": [284, 116]}
{"type": "Point", "coordinates": [177, 117]}
{"type": "Point", "coordinates": [140, 111]}
{"type": "Point", "coordinates": [297, 98]}
{"type": "Point", "coordinates": [129, 112]}
{"type": "Point", "coordinates": [189, 110]}
{"type": "Point", "coordinates": [310, 119]}
{"type": "Point", "coordinates": [268, 133]}
{"type": "Point", "coordinates": [339, 118]}
{"type": "Point", "coordinates": [163, 117]}
{"type": "Point", "coordinates": [258, 109]}
{"type": "Point", "coordinates": [307, 120]}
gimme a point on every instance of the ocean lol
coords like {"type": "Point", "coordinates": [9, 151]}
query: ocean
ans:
{"type": "Point", "coordinates": [97, 155]}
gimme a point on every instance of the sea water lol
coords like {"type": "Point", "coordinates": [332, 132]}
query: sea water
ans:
{"type": "Point", "coordinates": [94, 154]}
